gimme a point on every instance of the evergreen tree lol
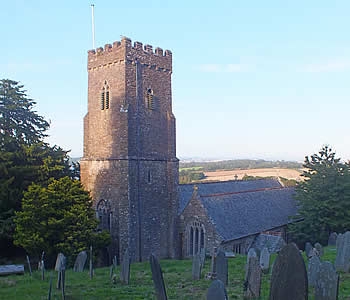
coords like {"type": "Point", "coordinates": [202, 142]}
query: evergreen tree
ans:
{"type": "Point", "coordinates": [58, 218]}
{"type": "Point", "coordinates": [323, 198]}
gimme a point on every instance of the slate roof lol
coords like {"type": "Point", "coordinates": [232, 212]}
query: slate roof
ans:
{"type": "Point", "coordinates": [237, 215]}
{"type": "Point", "coordinates": [223, 187]}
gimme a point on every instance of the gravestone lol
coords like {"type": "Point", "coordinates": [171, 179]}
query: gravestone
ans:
{"type": "Point", "coordinates": [213, 261]}
{"type": "Point", "coordinates": [222, 268]}
{"type": "Point", "coordinates": [29, 266]}
{"type": "Point", "coordinates": [80, 262]}
{"type": "Point", "coordinates": [319, 249]}
{"type": "Point", "coordinates": [157, 277]}
{"type": "Point", "coordinates": [217, 291]}
{"type": "Point", "coordinates": [59, 260]}
{"type": "Point", "coordinates": [327, 283]}
{"type": "Point", "coordinates": [289, 278]}
{"type": "Point", "coordinates": [265, 260]}
{"type": "Point", "coordinates": [340, 240]}
{"type": "Point", "coordinates": [60, 267]}
{"type": "Point", "coordinates": [332, 240]}
{"type": "Point", "coordinates": [342, 261]}
{"type": "Point", "coordinates": [252, 281]}
{"type": "Point", "coordinates": [308, 248]}
{"type": "Point", "coordinates": [125, 268]}
{"type": "Point", "coordinates": [313, 269]}
{"type": "Point", "coordinates": [196, 267]}
{"type": "Point", "coordinates": [202, 256]}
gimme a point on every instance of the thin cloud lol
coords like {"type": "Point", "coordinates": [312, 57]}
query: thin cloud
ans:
{"type": "Point", "coordinates": [338, 65]}
{"type": "Point", "coordinates": [223, 68]}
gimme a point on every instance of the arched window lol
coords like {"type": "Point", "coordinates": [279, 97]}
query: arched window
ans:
{"type": "Point", "coordinates": [195, 237]}
{"type": "Point", "coordinates": [105, 96]}
{"type": "Point", "coordinates": [150, 99]}
{"type": "Point", "coordinates": [104, 215]}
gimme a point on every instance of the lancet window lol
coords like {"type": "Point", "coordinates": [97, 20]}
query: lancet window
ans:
{"type": "Point", "coordinates": [195, 238]}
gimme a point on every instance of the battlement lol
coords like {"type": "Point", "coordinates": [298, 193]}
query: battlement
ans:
{"type": "Point", "coordinates": [124, 51]}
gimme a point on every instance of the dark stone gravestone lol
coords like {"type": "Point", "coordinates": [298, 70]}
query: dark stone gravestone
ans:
{"type": "Point", "coordinates": [319, 249]}
{"type": "Point", "coordinates": [125, 268]}
{"type": "Point", "coordinates": [252, 281]}
{"type": "Point", "coordinates": [308, 248]}
{"type": "Point", "coordinates": [217, 291]}
{"type": "Point", "coordinates": [222, 267]}
{"type": "Point", "coordinates": [342, 261]}
{"type": "Point", "coordinates": [327, 282]}
{"type": "Point", "coordinates": [157, 277]}
{"type": "Point", "coordinates": [289, 278]}
{"type": "Point", "coordinates": [265, 260]}
{"type": "Point", "coordinates": [196, 267]}
{"type": "Point", "coordinates": [11, 269]}
{"type": "Point", "coordinates": [332, 240]}
{"type": "Point", "coordinates": [80, 262]}
{"type": "Point", "coordinates": [313, 269]}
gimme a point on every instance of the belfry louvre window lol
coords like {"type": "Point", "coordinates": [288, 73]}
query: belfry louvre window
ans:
{"type": "Point", "coordinates": [150, 99]}
{"type": "Point", "coordinates": [105, 96]}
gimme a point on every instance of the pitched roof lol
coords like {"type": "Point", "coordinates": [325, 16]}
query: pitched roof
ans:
{"type": "Point", "coordinates": [223, 187]}
{"type": "Point", "coordinates": [236, 215]}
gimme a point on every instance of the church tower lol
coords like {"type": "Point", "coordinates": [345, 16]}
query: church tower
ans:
{"type": "Point", "coordinates": [129, 163]}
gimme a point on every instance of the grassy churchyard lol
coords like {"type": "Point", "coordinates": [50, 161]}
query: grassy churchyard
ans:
{"type": "Point", "coordinates": [177, 276]}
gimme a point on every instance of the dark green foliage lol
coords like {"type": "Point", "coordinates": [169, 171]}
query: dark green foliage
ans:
{"type": "Point", "coordinates": [190, 175]}
{"type": "Point", "coordinates": [57, 218]}
{"type": "Point", "coordinates": [323, 198]}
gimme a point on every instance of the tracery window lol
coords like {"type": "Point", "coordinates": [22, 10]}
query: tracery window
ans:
{"type": "Point", "coordinates": [195, 238]}
{"type": "Point", "coordinates": [104, 215]}
{"type": "Point", "coordinates": [105, 96]}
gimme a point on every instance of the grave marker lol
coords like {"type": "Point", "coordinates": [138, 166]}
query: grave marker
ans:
{"type": "Point", "coordinates": [125, 268]}
{"type": "Point", "coordinates": [196, 267]}
{"type": "Point", "coordinates": [252, 282]}
{"type": "Point", "coordinates": [327, 283]}
{"type": "Point", "coordinates": [222, 267]}
{"type": "Point", "coordinates": [265, 260]}
{"type": "Point", "coordinates": [313, 269]}
{"type": "Point", "coordinates": [80, 262]}
{"type": "Point", "coordinates": [157, 277]}
{"type": "Point", "coordinates": [332, 240]}
{"type": "Point", "coordinates": [217, 291]}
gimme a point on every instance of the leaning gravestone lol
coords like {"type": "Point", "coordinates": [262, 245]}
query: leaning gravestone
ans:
{"type": "Point", "coordinates": [265, 260]}
{"type": "Point", "coordinates": [319, 249]}
{"type": "Point", "coordinates": [125, 268]}
{"type": "Point", "coordinates": [313, 269]}
{"type": "Point", "coordinates": [308, 248]}
{"type": "Point", "coordinates": [327, 283]}
{"type": "Point", "coordinates": [252, 282]}
{"type": "Point", "coordinates": [157, 277]}
{"type": "Point", "coordinates": [217, 291]}
{"type": "Point", "coordinates": [80, 262]}
{"type": "Point", "coordinates": [289, 278]}
{"type": "Point", "coordinates": [342, 261]}
{"type": "Point", "coordinates": [222, 267]}
{"type": "Point", "coordinates": [332, 240]}
{"type": "Point", "coordinates": [196, 267]}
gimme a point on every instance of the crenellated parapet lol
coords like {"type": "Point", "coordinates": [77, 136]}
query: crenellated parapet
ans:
{"type": "Point", "coordinates": [124, 52]}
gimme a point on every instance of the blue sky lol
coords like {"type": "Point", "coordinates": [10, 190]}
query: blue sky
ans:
{"type": "Point", "coordinates": [251, 79]}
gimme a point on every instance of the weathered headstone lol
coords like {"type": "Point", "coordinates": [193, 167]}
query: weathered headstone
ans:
{"type": "Point", "coordinates": [327, 283]}
{"type": "Point", "coordinates": [222, 267]}
{"type": "Point", "coordinates": [252, 281]}
{"type": "Point", "coordinates": [319, 249]}
{"type": "Point", "coordinates": [342, 261]}
{"type": "Point", "coordinates": [308, 248]}
{"type": "Point", "coordinates": [332, 240]}
{"type": "Point", "coordinates": [213, 261]}
{"type": "Point", "coordinates": [217, 291]}
{"type": "Point", "coordinates": [157, 277]}
{"type": "Point", "coordinates": [265, 260]}
{"type": "Point", "coordinates": [340, 240]}
{"type": "Point", "coordinates": [196, 267]}
{"type": "Point", "coordinates": [60, 267]}
{"type": "Point", "coordinates": [59, 260]}
{"type": "Point", "coordinates": [80, 262]}
{"type": "Point", "coordinates": [202, 256]}
{"type": "Point", "coordinates": [289, 278]}
{"type": "Point", "coordinates": [125, 268]}
{"type": "Point", "coordinates": [313, 269]}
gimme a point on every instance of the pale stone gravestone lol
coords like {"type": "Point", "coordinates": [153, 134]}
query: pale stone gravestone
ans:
{"type": "Point", "coordinates": [59, 259]}
{"type": "Point", "coordinates": [265, 260]}
{"type": "Point", "coordinates": [11, 269]}
{"type": "Point", "coordinates": [157, 277]}
{"type": "Point", "coordinates": [313, 269]}
{"type": "Point", "coordinates": [319, 249]}
{"type": "Point", "coordinates": [308, 248]}
{"type": "Point", "coordinates": [217, 291]}
{"type": "Point", "coordinates": [202, 256]}
{"type": "Point", "coordinates": [342, 261]}
{"type": "Point", "coordinates": [196, 267]}
{"type": "Point", "coordinates": [289, 278]}
{"type": "Point", "coordinates": [80, 262]}
{"type": "Point", "coordinates": [222, 267]}
{"type": "Point", "coordinates": [327, 283]}
{"type": "Point", "coordinates": [340, 240]}
{"type": "Point", "coordinates": [252, 281]}
{"type": "Point", "coordinates": [125, 268]}
{"type": "Point", "coordinates": [332, 240]}
{"type": "Point", "coordinates": [60, 267]}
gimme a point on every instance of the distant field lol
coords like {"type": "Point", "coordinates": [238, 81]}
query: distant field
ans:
{"type": "Point", "coordinates": [221, 175]}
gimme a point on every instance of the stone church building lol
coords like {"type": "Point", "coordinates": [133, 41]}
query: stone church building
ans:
{"type": "Point", "coordinates": [131, 170]}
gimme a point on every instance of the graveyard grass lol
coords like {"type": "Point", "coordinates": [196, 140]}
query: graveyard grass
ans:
{"type": "Point", "coordinates": [177, 276]}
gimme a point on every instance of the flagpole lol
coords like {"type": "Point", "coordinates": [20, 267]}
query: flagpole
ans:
{"type": "Point", "coordinates": [93, 25]}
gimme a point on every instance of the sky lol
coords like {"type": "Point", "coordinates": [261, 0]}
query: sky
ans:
{"type": "Point", "coordinates": [251, 79]}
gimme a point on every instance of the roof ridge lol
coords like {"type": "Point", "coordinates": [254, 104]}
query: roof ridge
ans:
{"type": "Point", "coordinates": [243, 192]}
